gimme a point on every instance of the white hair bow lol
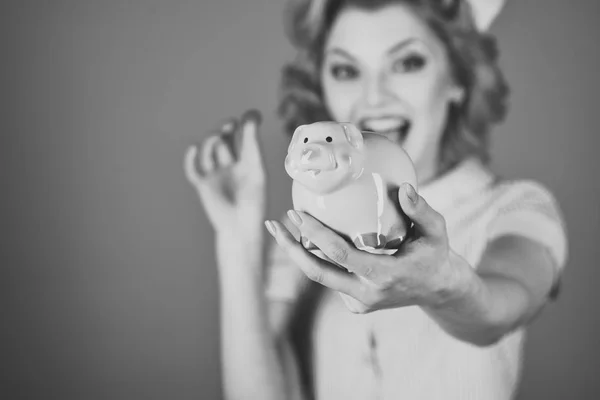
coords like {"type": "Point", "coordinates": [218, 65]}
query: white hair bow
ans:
{"type": "Point", "coordinates": [485, 12]}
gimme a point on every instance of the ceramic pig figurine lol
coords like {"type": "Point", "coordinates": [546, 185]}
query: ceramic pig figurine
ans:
{"type": "Point", "coordinates": [349, 181]}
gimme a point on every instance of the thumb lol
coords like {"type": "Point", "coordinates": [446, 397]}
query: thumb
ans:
{"type": "Point", "coordinates": [428, 222]}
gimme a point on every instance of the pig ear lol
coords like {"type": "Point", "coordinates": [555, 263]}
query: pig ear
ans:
{"type": "Point", "coordinates": [295, 138]}
{"type": "Point", "coordinates": [353, 135]}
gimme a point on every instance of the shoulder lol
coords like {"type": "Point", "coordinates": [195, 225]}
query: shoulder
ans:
{"type": "Point", "coordinates": [528, 208]}
{"type": "Point", "coordinates": [523, 195]}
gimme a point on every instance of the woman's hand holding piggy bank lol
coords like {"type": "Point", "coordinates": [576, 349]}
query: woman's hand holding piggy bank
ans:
{"type": "Point", "coordinates": [352, 187]}
{"type": "Point", "coordinates": [349, 181]}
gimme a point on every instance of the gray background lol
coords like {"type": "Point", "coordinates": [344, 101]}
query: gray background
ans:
{"type": "Point", "coordinates": [108, 286]}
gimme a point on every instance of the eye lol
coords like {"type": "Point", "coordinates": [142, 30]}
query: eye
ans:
{"type": "Point", "coordinates": [343, 72]}
{"type": "Point", "coordinates": [410, 63]}
{"type": "Point", "coordinates": [305, 139]}
{"type": "Point", "coordinates": [328, 139]}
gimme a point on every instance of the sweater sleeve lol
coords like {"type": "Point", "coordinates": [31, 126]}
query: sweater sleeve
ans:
{"type": "Point", "coordinates": [528, 209]}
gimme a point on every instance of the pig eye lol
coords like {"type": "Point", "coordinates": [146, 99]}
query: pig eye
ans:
{"type": "Point", "coordinates": [329, 139]}
{"type": "Point", "coordinates": [305, 139]}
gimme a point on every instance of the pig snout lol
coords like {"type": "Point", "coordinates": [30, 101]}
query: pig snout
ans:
{"type": "Point", "coordinates": [314, 156]}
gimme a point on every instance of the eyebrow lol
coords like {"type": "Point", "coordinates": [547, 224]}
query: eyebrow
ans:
{"type": "Point", "coordinates": [395, 48]}
{"type": "Point", "coordinates": [400, 45]}
{"type": "Point", "coordinates": [341, 52]}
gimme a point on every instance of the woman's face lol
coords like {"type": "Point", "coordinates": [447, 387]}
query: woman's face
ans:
{"type": "Point", "coordinates": [385, 71]}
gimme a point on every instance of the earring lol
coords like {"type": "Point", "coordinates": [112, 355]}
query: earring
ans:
{"type": "Point", "coordinates": [457, 96]}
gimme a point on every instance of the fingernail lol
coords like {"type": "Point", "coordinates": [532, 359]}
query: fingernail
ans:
{"type": "Point", "coordinates": [270, 227]}
{"type": "Point", "coordinates": [411, 193]}
{"type": "Point", "coordinates": [227, 127]}
{"type": "Point", "coordinates": [295, 217]}
{"type": "Point", "coordinates": [252, 115]}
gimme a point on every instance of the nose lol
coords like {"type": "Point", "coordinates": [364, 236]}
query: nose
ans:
{"type": "Point", "coordinates": [376, 90]}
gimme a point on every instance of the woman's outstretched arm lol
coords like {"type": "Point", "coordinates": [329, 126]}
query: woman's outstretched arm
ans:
{"type": "Point", "coordinates": [510, 286]}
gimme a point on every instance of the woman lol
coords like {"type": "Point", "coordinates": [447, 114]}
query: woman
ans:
{"type": "Point", "coordinates": [453, 303]}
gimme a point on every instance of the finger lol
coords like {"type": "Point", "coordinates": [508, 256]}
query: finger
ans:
{"type": "Point", "coordinates": [354, 305]}
{"type": "Point", "coordinates": [370, 266]}
{"type": "Point", "coordinates": [207, 161]}
{"type": "Point", "coordinates": [189, 166]}
{"type": "Point", "coordinates": [324, 257]}
{"type": "Point", "coordinates": [229, 126]}
{"type": "Point", "coordinates": [314, 268]}
{"type": "Point", "coordinates": [223, 155]}
{"type": "Point", "coordinates": [228, 130]}
{"type": "Point", "coordinates": [199, 182]}
{"type": "Point", "coordinates": [429, 223]}
{"type": "Point", "coordinates": [250, 149]}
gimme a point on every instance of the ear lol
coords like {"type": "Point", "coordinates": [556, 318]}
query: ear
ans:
{"type": "Point", "coordinates": [295, 138]}
{"type": "Point", "coordinates": [353, 135]}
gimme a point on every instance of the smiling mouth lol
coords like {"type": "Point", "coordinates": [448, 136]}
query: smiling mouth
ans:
{"type": "Point", "coordinates": [396, 129]}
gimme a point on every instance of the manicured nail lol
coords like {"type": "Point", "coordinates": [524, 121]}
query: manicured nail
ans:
{"type": "Point", "coordinates": [270, 227]}
{"type": "Point", "coordinates": [295, 217]}
{"type": "Point", "coordinates": [227, 127]}
{"type": "Point", "coordinates": [411, 193]}
{"type": "Point", "coordinates": [252, 115]}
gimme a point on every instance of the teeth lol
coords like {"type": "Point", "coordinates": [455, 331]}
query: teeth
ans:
{"type": "Point", "coordinates": [385, 124]}
{"type": "Point", "coordinates": [394, 129]}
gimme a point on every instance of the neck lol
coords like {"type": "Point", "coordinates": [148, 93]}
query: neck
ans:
{"type": "Point", "coordinates": [427, 171]}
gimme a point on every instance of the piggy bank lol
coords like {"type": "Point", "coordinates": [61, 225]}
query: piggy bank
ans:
{"type": "Point", "coordinates": [349, 181]}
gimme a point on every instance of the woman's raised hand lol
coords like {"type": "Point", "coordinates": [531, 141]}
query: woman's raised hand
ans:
{"type": "Point", "coordinates": [228, 174]}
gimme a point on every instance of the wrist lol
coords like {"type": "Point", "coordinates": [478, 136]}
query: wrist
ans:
{"type": "Point", "coordinates": [464, 289]}
{"type": "Point", "coordinates": [245, 240]}
{"type": "Point", "coordinates": [249, 230]}
{"type": "Point", "coordinates": [240, 256]}
{"type": "Point", "coordinates": [467, 312]}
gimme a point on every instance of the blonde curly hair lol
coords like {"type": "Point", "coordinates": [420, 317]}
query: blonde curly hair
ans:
{"type": "Point", "coordinates": [473, 58]}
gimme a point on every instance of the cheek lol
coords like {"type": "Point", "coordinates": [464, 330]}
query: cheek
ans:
{"type": "Point", "coordinates": [425, 94]}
